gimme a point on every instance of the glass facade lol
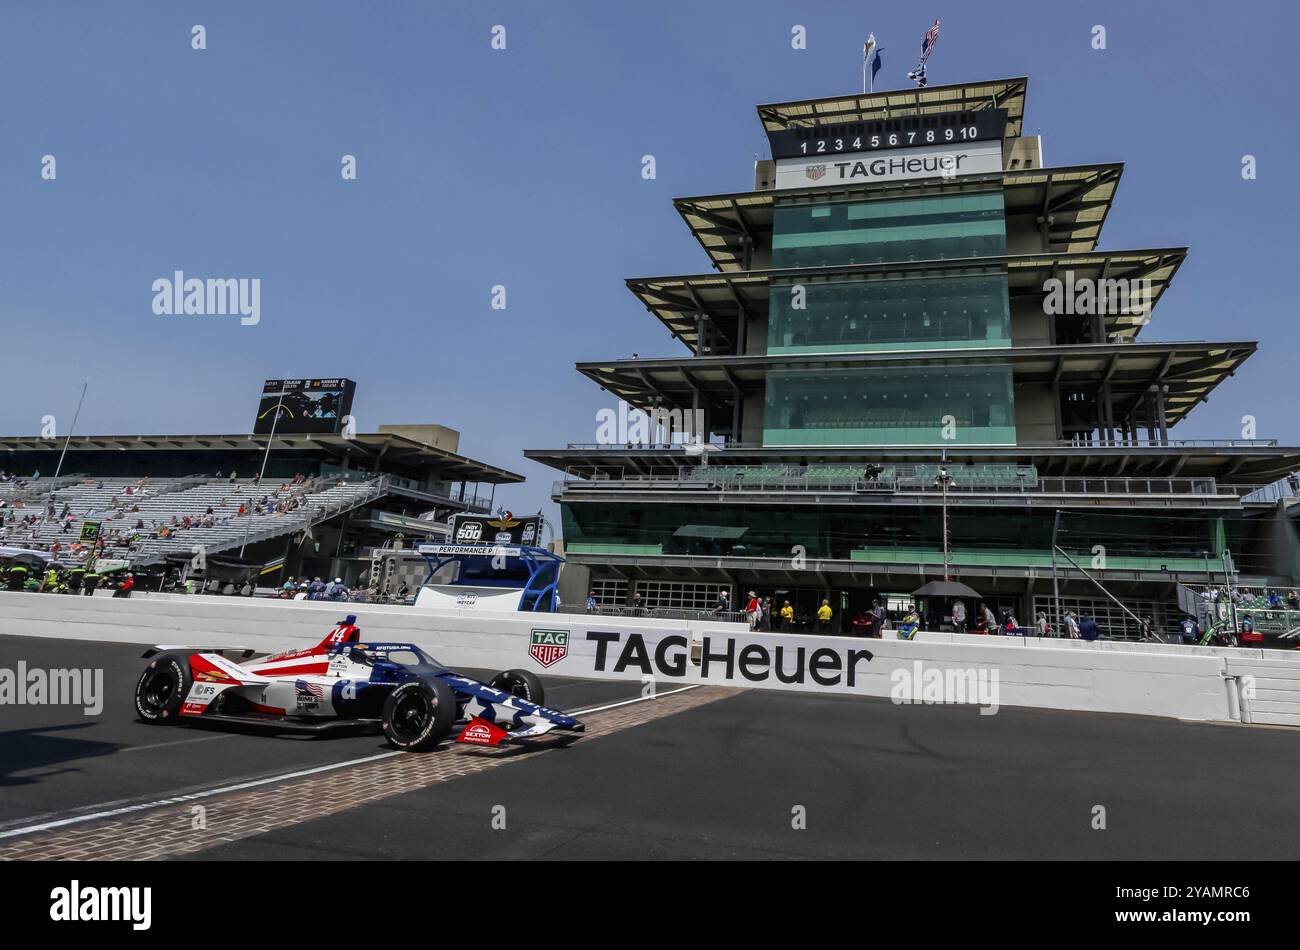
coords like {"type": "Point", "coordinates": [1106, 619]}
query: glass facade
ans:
{"type": "Point", "coordinates": [909, 535]}
{"type": "Point", "coordinates": [827, 234]}
{"type": "Point", "coordinates": [906, 405]}
{"type": "Point", "coordinates": [865, 316]}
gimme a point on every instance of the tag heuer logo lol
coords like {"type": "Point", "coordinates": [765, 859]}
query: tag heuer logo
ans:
{"type": "Point", "coordinates": [815, 171]}
{"type": "Point", "coordinates": [549, 646]}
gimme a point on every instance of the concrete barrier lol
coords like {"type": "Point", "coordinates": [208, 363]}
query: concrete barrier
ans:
{"type": "Point", "coordinates": [466, 638]}
{"type": "Point", "coordinates": [1123, 646]}
{"type": "Point", "coordinates": [1146, 679]}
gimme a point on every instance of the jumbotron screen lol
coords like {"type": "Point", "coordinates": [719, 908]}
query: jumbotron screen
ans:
{"type": "Point", "coordinates": [304, 405]}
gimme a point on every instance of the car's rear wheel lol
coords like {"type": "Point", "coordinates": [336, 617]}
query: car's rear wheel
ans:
{"type": "Point", "coordinates": [520, 683]}
{"type": "Point", "coordinates": [162, 688]}
{"type": "Point", "coordinates": [418, 715]}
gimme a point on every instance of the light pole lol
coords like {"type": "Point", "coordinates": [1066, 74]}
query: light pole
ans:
{"type": "Point", "coordinates": [279, 404]}
{"type": "Point", "coordinates": [58, 468]}
{"type": "Point", "coordinates": [943, 481]}
{"type": "Point", "coordinates": [1056, 584]}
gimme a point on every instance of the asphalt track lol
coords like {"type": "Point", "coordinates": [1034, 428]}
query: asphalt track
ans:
{"type": "Point", "coordinates": [722, 780]}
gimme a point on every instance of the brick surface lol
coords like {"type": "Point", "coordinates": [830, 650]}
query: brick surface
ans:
{"type": "Point", "coordinates": [166, 830]}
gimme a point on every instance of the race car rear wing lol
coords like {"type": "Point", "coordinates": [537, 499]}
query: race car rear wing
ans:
{"type": "Point", "coordinates": [244, 653]}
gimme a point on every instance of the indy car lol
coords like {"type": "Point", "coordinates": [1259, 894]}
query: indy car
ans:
{"type": "Point", "coordinates": [342, 682]}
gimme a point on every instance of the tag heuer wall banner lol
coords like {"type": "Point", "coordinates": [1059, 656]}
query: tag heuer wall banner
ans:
{"type": "Point", "coordinates": [493, 529]}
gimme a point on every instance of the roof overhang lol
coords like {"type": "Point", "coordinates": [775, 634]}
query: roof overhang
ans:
{"type": "Point", "coordinates": [381, 446]}
{"type": "Point", "coordinates": [680, 302]}
{"type": "Point", "coordinates": [1255, 463]}
{"type": "Point", "coordinates": [1189, 370]}
{"type": "Point", "coordinates": [1006, 94]}
{"type": "Point", "coordinates": [1069, 204]}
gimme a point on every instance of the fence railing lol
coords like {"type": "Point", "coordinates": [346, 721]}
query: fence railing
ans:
{"type": "Point", "coordinates": [713, 478]}
{"type": "Point", "coordinates": [1049, 443]}
{"type": "Point", "coordinates": [656, 613]}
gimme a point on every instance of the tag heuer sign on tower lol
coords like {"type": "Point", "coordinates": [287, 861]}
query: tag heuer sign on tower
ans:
{"type": "Point", "coordinates": [492, 529]}
{"type": "Point", "coordinates": [944, 145]}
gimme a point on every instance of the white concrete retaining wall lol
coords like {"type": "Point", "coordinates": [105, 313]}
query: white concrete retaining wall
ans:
{"type": "Point", "coordinates": [465, 638]}
{"type": "Point", "coordinates": [1269, 687]}
{"type": "Point", "coordinates": [1147, 679]}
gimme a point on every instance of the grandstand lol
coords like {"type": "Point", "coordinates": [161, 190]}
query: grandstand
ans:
{"type": "Point", "coordinates": [324, 505]}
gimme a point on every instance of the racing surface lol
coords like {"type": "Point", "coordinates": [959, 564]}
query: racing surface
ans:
{"type": "Point", "coordinates": [55, 759]}
{"type": "Point", "coordinates": [720, 776]}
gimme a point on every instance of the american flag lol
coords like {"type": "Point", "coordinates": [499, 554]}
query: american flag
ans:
{"type": "Point", "coordinates": [302, 687]}
{"type": "Point", "coordinates": [927, 42]}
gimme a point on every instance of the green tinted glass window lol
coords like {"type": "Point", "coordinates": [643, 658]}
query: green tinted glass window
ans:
{"type": "Point", "coordinates": [873, 232]}
{"type": "Point", "coordinates": [922, 405]}
{"type": "Point", "coordinates": [865, 316]}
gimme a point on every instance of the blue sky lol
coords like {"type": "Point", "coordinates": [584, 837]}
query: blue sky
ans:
{"type": "Point", "coordinates": [522, 168]}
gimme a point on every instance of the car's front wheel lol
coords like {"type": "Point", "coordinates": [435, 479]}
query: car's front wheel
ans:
{"type": "Point", "coordinates": [418, 715]}
{"type": "Point", "coordinates": [162, 688]}
{"type": "Point", "coordinates": [520, 683]}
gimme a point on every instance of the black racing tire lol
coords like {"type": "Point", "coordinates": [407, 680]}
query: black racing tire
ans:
{"type": "Point", "coordinates": [418, 715]}
{"type": "Point", "coordinates": [520, 683]}
{"type": "Point", "coordinates": [161, 689]}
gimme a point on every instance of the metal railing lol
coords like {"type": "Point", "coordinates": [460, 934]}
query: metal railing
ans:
{"type": "Point", "coordinates": [715, 478]}
{"type": "Point", "coordinates": [1050, 443]}
{"type": "Point", "coordinates": [656, 613]}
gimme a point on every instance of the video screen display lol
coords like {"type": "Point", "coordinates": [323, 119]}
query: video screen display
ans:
{"type": "Point", "coordinates": [304, 405]}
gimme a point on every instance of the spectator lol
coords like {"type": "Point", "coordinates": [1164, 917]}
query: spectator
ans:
{"type": "Point", "coordinates": [824, 614]}
{"type": "Point", "coordinates": [787, 616]}
{"type": "Point", "coordinates": [1071, 625]}
{"type": "Point", "coordinates": [990, 621]}
{"type": "Point", "coordinates": [910, 623]}
{"type": "Point", "coordinates": [959, 616]}
{"type": "Point", "coordinates": [766, 620]}
{"type": "Point", "coordinates": [125, 588]}
{"type": "Point", "coordinates": [1040, 623]}
{"type": "Point", "coordinates": [593, 604]}
{"type": "Point", "coordinates": [723, 605]}
{"type": "Point", "coordinates": [1189, 629]}
{"type": "Point", "coordinates": [1088, 628]}
{"type": "Point", "coordinates": [882, 617]}
{"type": "Point", "coordinates": [638, 605]}
{"type": "Point", "coordinates": [752, 610]}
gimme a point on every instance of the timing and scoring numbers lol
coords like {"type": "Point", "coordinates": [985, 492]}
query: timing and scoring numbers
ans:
{"type": "Point", "coordinates": [893, 140]}
{"type": "Point", "coordinates": [909, 131]}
